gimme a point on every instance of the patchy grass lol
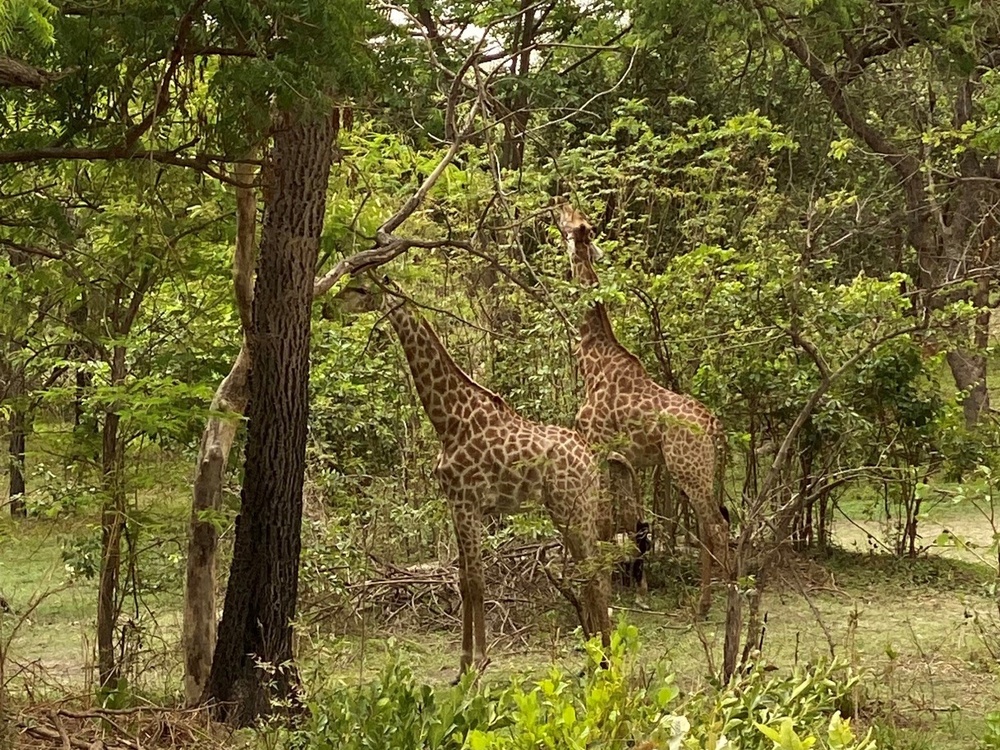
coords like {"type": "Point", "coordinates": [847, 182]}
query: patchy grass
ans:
{"type": "Point", "coordinates": [49, 566]}
{"type": "Point", "coordinates": [921, 628]}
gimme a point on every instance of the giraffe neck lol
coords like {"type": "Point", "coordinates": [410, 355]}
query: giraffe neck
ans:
{"type": "Point", "coordinates": [596, 332]}
{"type": "Point", "coordinates": [445, 390]}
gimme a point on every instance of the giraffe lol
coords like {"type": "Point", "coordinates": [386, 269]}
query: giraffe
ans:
{"type": "Point", "coordinates": [491, 460]}
{"type": "Point", "coordinates": [644, 422]}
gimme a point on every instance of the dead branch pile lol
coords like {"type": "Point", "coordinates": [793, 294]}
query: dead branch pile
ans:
{"type": "Point", "coordinates": [519, 590]}
{"type": "Point", "coordinates": [58, 727]}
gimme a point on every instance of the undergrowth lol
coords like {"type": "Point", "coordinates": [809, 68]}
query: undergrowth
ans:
{"type": "Point", "coordinates": [628, 704]}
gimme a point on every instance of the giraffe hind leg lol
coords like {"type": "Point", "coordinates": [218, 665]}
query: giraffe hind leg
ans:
{"type": "Point", "coordinates": [580, 539]}
{"type": "Point", "coordinates": [711, 534]}
{"type": "Point", "coordinates": [628, 500]}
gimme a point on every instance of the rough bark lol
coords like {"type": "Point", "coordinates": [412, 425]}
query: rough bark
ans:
{"type": "Point", "coordinates": [229, 403]}
{"type": "Point", "coordinates": [263, 582]}
{"type": "Point", "coordinates": [387, 247]}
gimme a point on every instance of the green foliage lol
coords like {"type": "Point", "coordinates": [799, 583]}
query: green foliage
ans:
{"type": "Point", "coordinates": [394, 713]}
{"type": "Point", "coordinates": [622, 705]}
{"type": "Point", "coordinates": [25, 23]}
{"type": "Point", "coordinates": [991, 736]}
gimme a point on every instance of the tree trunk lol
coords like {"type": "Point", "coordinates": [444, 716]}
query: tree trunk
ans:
{"type": "Point", "coordinates": [18, 420]}
{"type": "Point", "coordinates": [81, 352]}
{"type": "Point", "coordinates": [213, 457]}
{"type": "Point", "coordinates": [16, 395]}
{"type": "Point", "coordinates": [969, 364]}
{"type": "Point", "coordinates": [112, 527]}
{"type": "Point", "coordinates": [969, 371]}
{"type": "Point", "coordinates": [16, 488]}
{"type": "Point", "coordinates": [263, 581]}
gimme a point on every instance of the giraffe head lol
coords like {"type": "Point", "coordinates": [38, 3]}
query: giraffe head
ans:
{"type": "Point", "coordinates": [363, 294]}
{"type": "Point", "coordinates": [577, 231]}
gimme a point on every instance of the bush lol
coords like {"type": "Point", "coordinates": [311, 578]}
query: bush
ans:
{"type": "Point", "coordinates": [618, 707]}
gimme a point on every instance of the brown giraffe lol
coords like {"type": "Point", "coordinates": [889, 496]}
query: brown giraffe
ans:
{"type": "Point", "coordinates": [646, 424]}
{"type": "Point", "coordinates": [491, 460]}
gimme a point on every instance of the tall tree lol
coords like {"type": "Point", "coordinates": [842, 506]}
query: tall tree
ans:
{"type": "Point", "coordinates": [913, 82]}
{"type": "Point", "coordinates": [261, 595]}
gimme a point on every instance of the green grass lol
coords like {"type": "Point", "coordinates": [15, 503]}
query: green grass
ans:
{"type": "Point", "coordinates": [50, 629]}
{"type": "Point", "coordinates": [916, 626]}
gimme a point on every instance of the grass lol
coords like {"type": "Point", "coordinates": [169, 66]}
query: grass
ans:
{"type": "Point", "coordinates": [917, 626]}
{"type": "Point", "coordinates": [51, 626]}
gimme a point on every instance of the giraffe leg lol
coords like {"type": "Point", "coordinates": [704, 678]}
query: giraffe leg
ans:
{"type": "Point", "coordinates": [628, 500]}
{"type": "Point", "coordinates": [580, 536]}
{"type": "Point", "coordinates": [468, 533]}
{"type": "Point", "coordinates": [705, 597]}
{"type": "Point", "coordinates": [477, 589]}
{"type": "Point", "coordinates": [712, 530]}
{"type": "Point", "coordinates": [467, 613]}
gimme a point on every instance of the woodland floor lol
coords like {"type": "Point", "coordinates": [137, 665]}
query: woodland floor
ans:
{"type": "Point", "coordinates": [923, 628]}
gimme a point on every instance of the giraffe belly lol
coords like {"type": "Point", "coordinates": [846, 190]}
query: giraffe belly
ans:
{"type": "Point", "coordinates": [509, 493]}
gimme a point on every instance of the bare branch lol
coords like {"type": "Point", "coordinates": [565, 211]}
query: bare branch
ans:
{"type": "Point", "coordinates": [18, 74]}
{"type": "Point", "coordinates": [388, 247]}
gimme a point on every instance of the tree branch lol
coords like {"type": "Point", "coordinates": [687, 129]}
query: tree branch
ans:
{"type": "Point", "coordinates": [18, 74]}
{"type": "Point", "coordinates": [30, 249]}
{"type": "Point", "coordinates": [827, 379]}
{"type": "Point", "coordinates": [387, 248]}
{"type": "Point", "coordinates": [163, 89]}
{"type": "Point", "coordinates": [906, 165]}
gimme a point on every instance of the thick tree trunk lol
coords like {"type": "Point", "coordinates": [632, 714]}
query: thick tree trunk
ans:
{"type": "Point", "coordinates": [112, 527]}
{"type": "Point", "coordinates": [263, 581]}
{"type": "Point", "coordinates": [969, 371]}
{"type": "Point", "coordinates": [213, 458]}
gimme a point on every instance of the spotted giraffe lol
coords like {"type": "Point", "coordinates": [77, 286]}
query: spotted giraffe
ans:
{"type": "Point", "coordinates": [644, 422]}
{"type": "Point", "coordinates": [491, 460]}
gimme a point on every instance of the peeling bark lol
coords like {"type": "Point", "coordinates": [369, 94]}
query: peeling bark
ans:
{"type": "Point", "coordinates": [217, 440]}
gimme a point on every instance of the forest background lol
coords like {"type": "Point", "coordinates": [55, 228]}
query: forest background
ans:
{"type": "Point", "coordinates": [797, 205]}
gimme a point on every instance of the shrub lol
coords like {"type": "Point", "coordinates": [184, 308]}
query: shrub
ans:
{"type": "Point", "coordinates": [617, 707]}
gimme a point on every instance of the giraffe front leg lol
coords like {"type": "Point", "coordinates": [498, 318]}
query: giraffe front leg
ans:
{"type": "Point", "coordinates": [468, 532]}
{"type": "Point", "coordinates": [626, 493]}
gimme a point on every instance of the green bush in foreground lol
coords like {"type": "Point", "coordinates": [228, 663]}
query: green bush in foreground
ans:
{"type": "Point", "coordinates": [614, 708]}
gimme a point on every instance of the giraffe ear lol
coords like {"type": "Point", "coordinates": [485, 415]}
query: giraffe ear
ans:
{"type": "Point", "coordinates": [595, 252]}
